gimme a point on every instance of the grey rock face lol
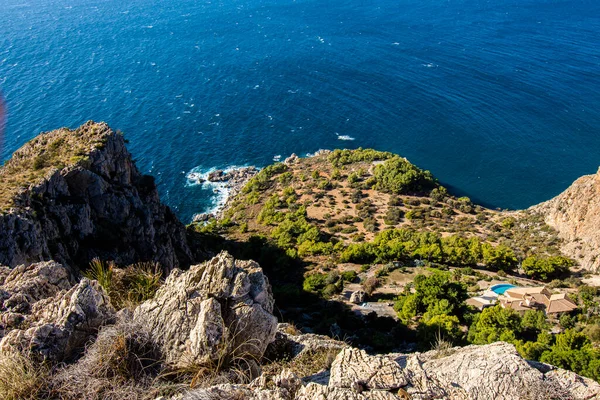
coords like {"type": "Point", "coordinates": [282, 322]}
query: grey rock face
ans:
{"type": "Point", "coordinates": [494, 371]}
{"type": "Point", "coordinates": [22, 287]}
{"type": "Point", "coordinates": [358, 297]}
{"type": "Point", "coordinates": [58, 327]}
{"type": "Point", "coordinates": [354, 368]}
{"type": "Point", "coordinates": [575, 214]}
{"type": "Point", "coordinates": [104, 208]}
{"type": "Point", "coordinates": [223, 306]}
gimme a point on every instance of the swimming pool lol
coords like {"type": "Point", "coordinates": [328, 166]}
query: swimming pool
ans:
{"type": "Point", "coordinates": [501, 288]}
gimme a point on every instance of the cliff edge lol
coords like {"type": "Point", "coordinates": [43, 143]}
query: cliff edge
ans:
{"type": "Point", "coordinates": [72, 195]}
{"type": "Point", "coordinates": [575, 214]}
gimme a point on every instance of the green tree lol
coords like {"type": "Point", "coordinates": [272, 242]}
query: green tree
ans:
{"type": "Point", "coordinates": [499, 257]}
{"type": "Point", "coordinates": [442, 326]}
{"type": "Point", "coordinates": [493, 324]}
{"type": "Point", "coordinates": [534, 321]}
{"type": "Point", "coordinates": [548, 268]}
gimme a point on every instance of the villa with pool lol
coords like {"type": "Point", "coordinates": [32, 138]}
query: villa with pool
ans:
{"type": "Point", "coordinates": [524, 298]}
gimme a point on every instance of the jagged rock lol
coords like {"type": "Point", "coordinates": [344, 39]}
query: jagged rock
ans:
{"type": "Point", "coordinates": [63, 324]}
{"type": "Point", "coordinates": [313, 391]}
{"type": "Point", "coordinates": [100, 207]}
{"type": "Point", "coordinates": [575, 214]}
{"type": "Point", "coordinates": [291, 159]}
{"type": "Point", "coordinates": [223, 306]}
{"type": "Point", "coordinates": [234, 392]}
{"type": "Point", "coordinates": [289, 343]}
{"type": "Point", "coordinates": [37, 281]}
{"type": "Point", "coordinates": [288, 380]}
{"type": "Point", "coordinates": [23, 286]}
{"type": "Point", "coordinates": [354, 368]}
{"type": "Point", "coordinates": [480, 372]}
{"type": "Point", "coordinates": [578, 386]}
{"type": "Point", "coordinates": [358, 297]}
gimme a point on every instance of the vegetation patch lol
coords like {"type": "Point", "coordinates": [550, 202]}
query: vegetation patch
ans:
{"type": "Point", "coordinates": [45, 153]}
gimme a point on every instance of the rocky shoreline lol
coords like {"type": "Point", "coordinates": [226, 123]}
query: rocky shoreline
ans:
{"type": "Point", "coordinates": [227, 183]}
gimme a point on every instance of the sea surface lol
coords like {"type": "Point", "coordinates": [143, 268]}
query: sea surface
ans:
{"type": "Point", "coordinates": [500, 99]}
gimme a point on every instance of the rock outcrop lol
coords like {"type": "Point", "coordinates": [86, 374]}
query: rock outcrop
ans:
{"type": "Point", "coordinates": [575, 214]}
{"type": "Point", "coordinates": [290, 343]}
{"type": "Point", "coordinates": [22, 287]}
{"type": "Point", "coordinates": [94, 204]}
{"type": "Point", "coordinates": [494, 371]}
{"type": "Point", "coordinates": [358, 297]}
{"type": "Point", "coordinates": [221, 307]}
{"type": "Point", "coordinates": [43, 314]}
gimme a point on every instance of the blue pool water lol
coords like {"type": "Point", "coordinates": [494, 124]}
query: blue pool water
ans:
{"type": "Point", "coordinates": [500, 99]}
{"type": "Point", "coordinates": [500, 289]}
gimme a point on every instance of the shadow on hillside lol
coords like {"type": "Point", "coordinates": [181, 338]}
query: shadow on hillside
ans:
{"type": "Point", "coordinates": [307, 311]}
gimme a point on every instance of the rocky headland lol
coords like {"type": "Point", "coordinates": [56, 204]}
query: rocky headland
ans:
{"type": "Point", "coordinates": [575, 214]}
{"type": "Point", "coordinates": [72, 195]}
{"type": "Point", "coordinates": [159, 321]}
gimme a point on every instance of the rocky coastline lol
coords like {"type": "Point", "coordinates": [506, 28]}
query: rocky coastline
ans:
{"type": "Point", "coordinates": [87, 312]}
{"type": "Point", "coordinates": [225, 183]}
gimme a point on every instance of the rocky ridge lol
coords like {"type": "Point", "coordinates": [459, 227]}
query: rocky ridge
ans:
{"type": "Point", "coordinates": [494, 371]}
{"type": "Point", "coordinates": [94, 205]}
{"type": "Point", "coordinates": [575, 214]}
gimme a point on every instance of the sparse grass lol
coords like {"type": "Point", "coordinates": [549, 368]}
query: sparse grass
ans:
{"type": "Point", "coordinates": [126, 287]}
{"type": "Point", "coordinates": [45, 153]}
{"type": "Point", "coordinates": [21, 378]}
{"type": "Point", "coordinates": [442, 346]}
{"type": "Point", "coordinates": [233, 362]}
{"type": "Point", "coordinates": [305, 364]}
{"type": "Point", "coordinates": [122, 364]}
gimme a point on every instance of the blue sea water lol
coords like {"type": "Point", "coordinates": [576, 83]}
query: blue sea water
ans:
{"type": "Point", "coordinates": [500, 99]}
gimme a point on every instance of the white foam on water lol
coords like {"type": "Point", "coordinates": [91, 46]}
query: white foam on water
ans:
{"type": "Point", "coordinates": [343, 137]}
{"type": "Point", "coordinates": [220, 192]}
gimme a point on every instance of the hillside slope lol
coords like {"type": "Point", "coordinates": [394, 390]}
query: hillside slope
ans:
{"type": "Point", "coordinates": [575, 214]}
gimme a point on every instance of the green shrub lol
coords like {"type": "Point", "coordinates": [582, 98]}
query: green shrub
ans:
{"type": "Point", "coordinates": [339, 158]}
{"type": "Point", "coordinates": [398, 176]}
{"type": "Point", "coordinates": [315, 282]}
{"type": "Point", "coordinates": [393, 216]}
{"type": "Point", "coordinates": [547, 268]}
{"type": "Point", "coordinates": [349, 276]}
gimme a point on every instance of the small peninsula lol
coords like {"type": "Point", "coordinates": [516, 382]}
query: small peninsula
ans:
{"type": "Point", "coordinates": [352, 274]}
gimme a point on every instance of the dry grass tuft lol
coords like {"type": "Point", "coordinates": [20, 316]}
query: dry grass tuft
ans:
{"type": "Point", "coordinates": [121, 364]}
{"type": "Point", "coordinates": [20, 376]}
{"type": "Point", "coordinates": [442, 346]}
{"type": "Point", "coordinates": [127, 287]}
{"type": "Point", "coordinates": [306, 364]}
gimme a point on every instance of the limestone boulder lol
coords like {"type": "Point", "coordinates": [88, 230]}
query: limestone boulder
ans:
{"type": "Point", "coordinates": [355, 369]}
{"type": "Point", "coordinates": [485, 372]}
{"type": "Point", "coordinates": [59, 327]}
{"type": "Point", "coordinates": [358, 297]}
{"type": "Point", "coordinates": [221, 307]}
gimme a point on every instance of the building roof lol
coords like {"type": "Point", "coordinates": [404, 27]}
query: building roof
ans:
{"type": "Point", "coordinates": [560, 303]}
{"type": "Point", "coordinates": [521, 299]}
{"type": "Point", "coordinates": [522, 292]}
